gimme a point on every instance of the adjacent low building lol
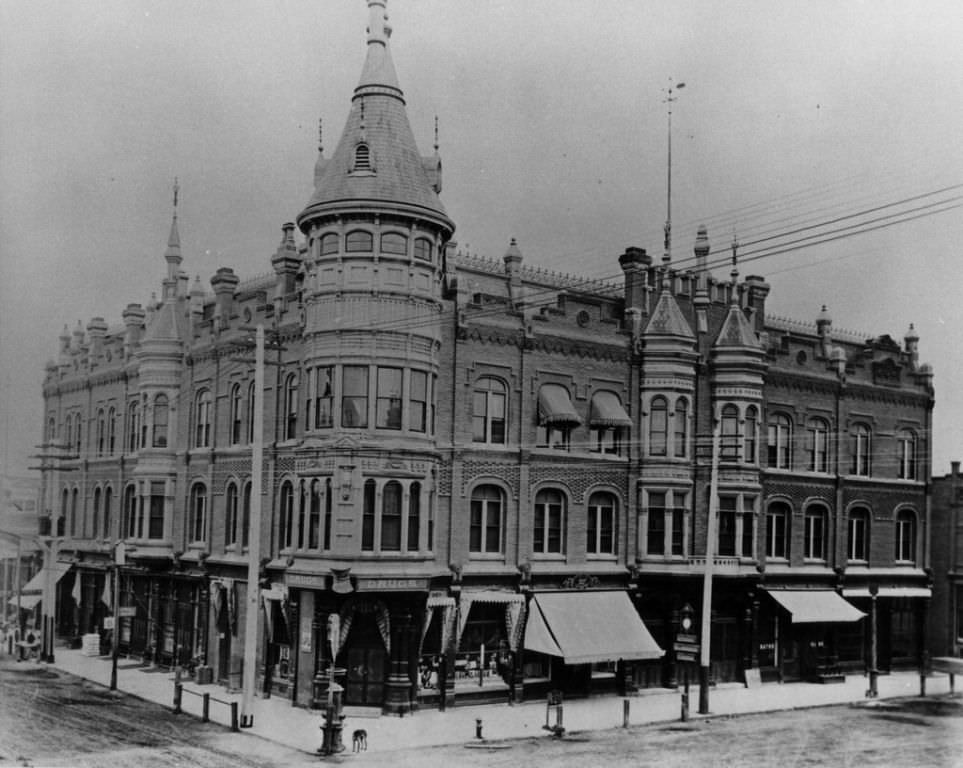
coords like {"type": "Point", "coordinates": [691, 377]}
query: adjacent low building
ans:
{"type": "Point", "coordinates": [481, 478]}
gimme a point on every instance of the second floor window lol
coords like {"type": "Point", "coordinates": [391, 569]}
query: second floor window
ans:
{"type": "Point", "coordinates": [736, 526]}
{"type": "Point", "coordinates": [857, 546]}
{"type": "Point", "coordinates": [780, 441]}
{"type": "Point", "coordinates": [548, 532]}
{"type": "Point", "coordinates": [202, 419]}
{"type": "Point", "coordinates": [197, 514]}
{"type": "Point", "coordinates": [658, 426]}
{"type": "Point", "coordinates": [729, 433]}
{"type": "Point", "coordinates": [485, 532]}
{"type": "Point", "coordinates": [418, 402]}
{"type": "Point", "coordinates": [814, 534]}
{"type": "Point", "coordinates": [290, 426]}
{"type": "Point", "coordinates": [751, 435]}
{"type": "Point", "coordinates": [133, 426]}
{"type": "Point", "coordinates": [905, 538]}
{"type": "Point", "coordinates": [323, 391]}
{"type": "Point", "coordinates": [488, 411]}
{"type": "Point", "coordinates": [354, 400]}
{"type": "Point", "coordinates": [608, 424]}
{"type": "Point", "coordinates": [230, 515]}
{"type": "Point", "coordinates": [777, 530]}
{"type": "Point", "coordinates": [601, 529]}
{"type": "Point", "coordinates": [665, 525]}
{"type": "Point", "coordinates": [237, 414]}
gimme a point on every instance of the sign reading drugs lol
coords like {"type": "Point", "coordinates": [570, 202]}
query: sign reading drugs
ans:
{"type": "Point", "coordinates": [334, 634]}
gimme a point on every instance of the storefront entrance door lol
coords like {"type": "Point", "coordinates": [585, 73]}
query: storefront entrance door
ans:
{"type": "Point", "coordinates": [365, 664]}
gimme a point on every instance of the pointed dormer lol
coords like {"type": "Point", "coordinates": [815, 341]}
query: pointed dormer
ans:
{"type": "Point", "coordinates": [376, 159]}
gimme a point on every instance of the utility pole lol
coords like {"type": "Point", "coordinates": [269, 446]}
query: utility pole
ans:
{"type": "Point", "coordinates": [704, 659]}
{"type": "Point", "coordinates": [252, 613]}
{"type": "Point", "coordinates": [120, 558]}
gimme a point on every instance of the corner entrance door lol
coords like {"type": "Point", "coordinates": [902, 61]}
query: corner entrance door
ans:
{"type": "Point", "coordinates": [365, 665]}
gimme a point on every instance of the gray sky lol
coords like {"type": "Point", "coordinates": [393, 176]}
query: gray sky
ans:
{"type": "Point", "coordinates": [552, 130]}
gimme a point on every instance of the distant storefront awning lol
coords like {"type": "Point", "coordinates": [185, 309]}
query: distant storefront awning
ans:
{"type": "Point", "coordinates": [888, 592]}
{"type": "Point", "coordinates": [607, 411]}
{"type": "Point", "coordinates": [587, 627]}
{"type": "Point", "coordinates": [39, 581]}
{"type": "Point", "coordinates": [27, 602]}
{"type": "Point", "coordinates": [816, 606]}
{"type": "Point", "coordinates": [555, 406]}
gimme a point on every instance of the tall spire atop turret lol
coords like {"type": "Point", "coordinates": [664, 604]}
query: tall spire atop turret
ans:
{"type": "Point", "coordinates": [173, 253]}
{"type": "Point", "coordinates": [378, 75]}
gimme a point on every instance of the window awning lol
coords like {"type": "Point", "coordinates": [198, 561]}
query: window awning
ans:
{"type": "Point", "coordinates": [889, 592]}
{"type": "Point", "coordinates": [607, 411]}
{"type": "Point", "coordinates": [27, 602]}
{"type": "Point", "coordinates": [555, 406]}
{"type": "Point", "coordinates": [39, 581]}
{"type": "Point", "coordinates": [586, 627]}
{"type": "Point", "coordinates": [815, 606]}
{"type": "Point", "coordinates": [490, 596]}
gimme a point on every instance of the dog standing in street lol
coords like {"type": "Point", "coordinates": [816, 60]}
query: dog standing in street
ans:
{"type": "Point", "coordinates": [359, 739]}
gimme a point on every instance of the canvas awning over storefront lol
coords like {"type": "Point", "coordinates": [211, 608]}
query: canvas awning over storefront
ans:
{"type": "Point", "coordinates": [888, 592]}
{"type": "Point", "coordinates": [39, 581]}
{"type": "Point", "coordinates": [27, 602]}
{"type": "Point", "coordinates": [586, 627]}
{"type": "Point", "coordinates": [816, 606]}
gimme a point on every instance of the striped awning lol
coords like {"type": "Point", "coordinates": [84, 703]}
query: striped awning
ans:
{"type": "Point", "coordinates": [555, 406]}
{"type": "Point", "coordinates": [607, 411]}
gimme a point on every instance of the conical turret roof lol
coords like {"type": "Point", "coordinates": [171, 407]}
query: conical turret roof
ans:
{"type": "Point", "coordinates": [388, 167]}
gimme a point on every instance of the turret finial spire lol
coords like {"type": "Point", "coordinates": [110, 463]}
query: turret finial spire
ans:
{"type": "Point", "coordinates": [436, 134]}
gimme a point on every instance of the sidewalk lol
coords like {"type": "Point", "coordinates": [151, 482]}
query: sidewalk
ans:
{"type": "Point", "coordinates": [275, 719]}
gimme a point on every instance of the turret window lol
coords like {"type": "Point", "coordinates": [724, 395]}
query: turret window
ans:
{"type": "Point", "coordinates": [752, 434]}
{"type": "Point", "coordinates": [658, 426]}
{"type": "Point", "coordinates": [392, 242]}
{"type": "Point", "coordinates": [161, 413]}
{"type": "Point", "coordinates": [329, 244]}
{"type": "Point", "coordinates": [423, 249]}
{"type": "Point", "coordinates": [359, 241]}
{"type": "Point", "coordinates": [388, 405]}
{"type": "Point", "coordinates": [729, 434]}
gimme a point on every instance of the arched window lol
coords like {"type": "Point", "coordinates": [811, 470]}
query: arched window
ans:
{"type": "Point", "coordinates": [392, 242]}
{"type": "Point", "coordinates": [778, 518]}
{"type": "Point", "coordinates": [368, 517]}
{"type": "Point", "coordinates": [391, 517]}
{"type": "Point", "coordinates": [423, 249]}
{"type": "Point", "coordinates": [51, 429]}
{"type": "Point", "coordinates": [290, 427]}
{"type": "Point", "coordinates": [549, 525]}
{"type": "Point", "coordinates": [230, 515]}
{"type": "Point", "coordinates": [488, 411]}
{"type": "Point", "coordinates": [857, 546]}
{"type": "Point", "coordinates": [250, 413]}
{"type": "Point", "coordinates": [286, 515]}
{"type": "Point", "coordinates": [160, 421]}
{"type": "Point", "coordinates": [78, 433]}
{"type": "Point", "coordinates": [818, 445]}
{"type": "Point", "coordinates": [752, 435]}
{"type": "Point", "coordinates": [601, 533]}
{"type": "Point", "coordinates": [133, 426]}
{"type": "Point", "coordinates": [101, 433]}
{"type": "Point", "coordinates": [358, 241]}
{"type": "Point", "coordinates": [129, 524]}
{"type": "Point", "coordinates": [485, 533]}
{"type": "Point", "coordinates": [108, 511]}
{"type": "Point", "coordinates": [111, 430]}
{"type": "Point", "coordinates": [246, 514]}
{"type": "Point", "coordinates": [658, 426]}
{"type": "Point", "coordinates": [729, 433]}
{"type": "Point", "coordinates": [905, 537]}
{"type": "Point", "coordinates": [64, 510]}
{"type": "Point", "coordinates": [906, 440]}
{"type": "Point", "coordinates": [76, 528]}
{"type": "Point", "coordinates": [197, 519]}
{"type": "Point", "coordinates": [314, 519]}
{"type": "Point", "coordinates": [861, 448]}
{"type": "Point", "coordinates": [95, 521]}
{"type": "Point", "coordinates": [780, 441]}
{"type": "Point", "coordinates": [815, 532]}
{"type": "Point", "coordinates": [329, 243]}
{"type": "Point", "coordinates": [202, 419]}
{"type": "Point", "coordinates": [414, 517]}
{"type": "Point", "coordinates": [237, 418]}
{"type": "Point", "coordinates": [681, 421]}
